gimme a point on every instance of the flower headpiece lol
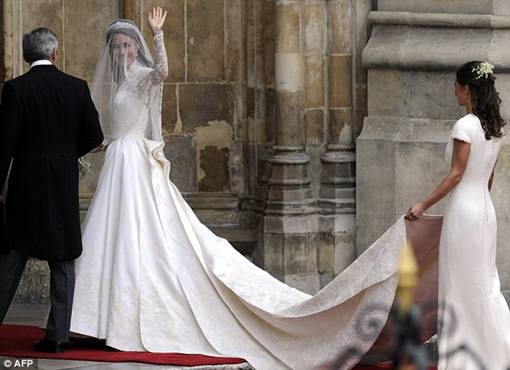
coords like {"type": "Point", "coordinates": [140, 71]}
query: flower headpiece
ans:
{"type": "Point", "coordinates": [483, 69]}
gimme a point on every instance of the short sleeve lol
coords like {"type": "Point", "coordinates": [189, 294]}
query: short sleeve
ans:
{"type": "Point", "coordinates": [463, 129]}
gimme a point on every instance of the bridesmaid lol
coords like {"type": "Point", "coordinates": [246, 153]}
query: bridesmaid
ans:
{"type": "Point", "coordinates": [469, 284]}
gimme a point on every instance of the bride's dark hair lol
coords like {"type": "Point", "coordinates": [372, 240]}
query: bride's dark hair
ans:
{"type": "Point", "coordinates": [484, 97]}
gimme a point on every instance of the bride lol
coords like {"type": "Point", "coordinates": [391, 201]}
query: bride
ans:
{"type": "Point", "coordinates": [153, 278]}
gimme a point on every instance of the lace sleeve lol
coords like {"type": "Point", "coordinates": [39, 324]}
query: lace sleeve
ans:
{"type": "Point", "coordinates": [160, 71]}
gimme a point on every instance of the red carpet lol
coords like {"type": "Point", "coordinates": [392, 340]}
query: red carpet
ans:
{"type": "Point", "coordinates": [17, 341]}
{"type": "Point", "coordinates": [382, 367]}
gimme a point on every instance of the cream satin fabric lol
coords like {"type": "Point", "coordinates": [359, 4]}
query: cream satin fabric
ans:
{"type": "Point", "coordinates": [468, 277]}
{"type": "Point", "coordinates": [153, 278]}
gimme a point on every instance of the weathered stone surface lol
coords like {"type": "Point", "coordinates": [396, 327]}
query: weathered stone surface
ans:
{"type": "Point", "coordinates": [249, 20]}
{"type": "Point", "coordinates": [362, 31]}
{"type": "Point", "coordinates": [250, 102]}
{"type": "Point", "coordinates": [237, 167]}
{"type": "Point", "coordinates": [315, 168]}
{"type": "Point", "coordinates": [314, 81]}
{"type": "Point", "coordinates": [291, 224]}
{"type": "Point", "coordinates": [340, 127]}
{"type": "Point", "coordinates": [345, 250]}
{"type": "Point", "coordinates": [360, 108]}
{"type": "Point", "coordinates": [288, 116]}
{"type": "Point", "coordinates": [326, 248]}
{"type": "Point", "coordinates": [202, 103]}
{"type": "Point", "coordinates": [169, 118]}
{"type": "Point", "coordinates": [213, 146]}
{"type": "Point", "coordinates": [234, 40]}
{"type": "Point", "coordinates": [314, 126]}
{"type": "Point", "coordinates": [47, 14]}
{"type": "Point", "coordinates": [413, 94]}
{"type": "Point", "coordinates": [438, 6]}
{"type": "Point", "coordinates": [273, 255]}
{"type": "Point", "coordinates": [269, 42]}
{"type": "Point", "coordinates": [180, 151]}
{"type": "Point", "coordinates": [174, 35]}
{"type": "Point", "coordinates": [214, 164]}
{"type": "Point", "coordinates": [85, 26]}
{"type": "Point", "coordinates": [287, 27]}
{"type": "Point", "coordinates": [340, 81]}
{"type": "Point", "coordinates": [270, 115]}
{"type": "Point", "coordinates": [206, 40]}
{"type": "Point", "coordinates": [250, 156]}
{"type": "Point", "coordinates": [416, 48]}
{"type": "Point", "coordinates": [288, 72]}
{"type": "Point", "coordinates": [315, 20]}
{"type": "Point", "coordinates": [501, 7]}
{"type": "Point", "coordinates": [300, 254]}
{"type": "Point", "coordinates": [259, 44]}
{"type": "Point", "coordinates": [260, 105]}
{"type": "Point", "coordinates": [340, 27]}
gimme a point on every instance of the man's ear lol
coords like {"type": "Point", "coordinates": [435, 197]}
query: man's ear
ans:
{"type": "Point", "coordinates": [54, 56]}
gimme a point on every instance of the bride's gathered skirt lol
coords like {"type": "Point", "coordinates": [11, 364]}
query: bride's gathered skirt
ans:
{"type": "Point", "coordinates": [153, 278]}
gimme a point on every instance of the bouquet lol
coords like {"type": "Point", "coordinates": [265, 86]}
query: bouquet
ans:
{"type": "Point", "coordinates": [84, 167]}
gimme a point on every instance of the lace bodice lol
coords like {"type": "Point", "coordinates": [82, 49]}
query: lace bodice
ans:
{"type": "Point", "coordinates": [135, 95]}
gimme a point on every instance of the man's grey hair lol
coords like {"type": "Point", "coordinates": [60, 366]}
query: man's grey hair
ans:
{"type": "Point", "coordinates": [39, 44]}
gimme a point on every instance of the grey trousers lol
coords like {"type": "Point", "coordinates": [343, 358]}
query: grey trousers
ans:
{"type": "Point", "coordinates": [62, 281]}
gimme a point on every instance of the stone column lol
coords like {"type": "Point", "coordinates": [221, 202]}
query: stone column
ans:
{"type": "Point", "coordinates": [6, 68]}
{"type": "Point", "coordinates": [129, 9]}
{"type": "Point", "coordinates": [412, 55]}
{"type": "Point", "coordinates": [289, 160]}
{"type": "Point", "coordinates": [12, 24]}
{"type": "Point", "coordinates": [290, 224]}
{"type": "Point", "coordinates": [337, 192]}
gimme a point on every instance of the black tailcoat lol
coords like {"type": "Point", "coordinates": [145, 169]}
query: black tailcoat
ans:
{"type": "Point", "coordinates": [47, 121]}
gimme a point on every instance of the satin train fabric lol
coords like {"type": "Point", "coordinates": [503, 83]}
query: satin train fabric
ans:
{"type": "Point", "coordinates": [154, 278]}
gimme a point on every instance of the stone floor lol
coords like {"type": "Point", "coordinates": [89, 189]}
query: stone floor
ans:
{"type": "Point", "coordinates": [35, 314]}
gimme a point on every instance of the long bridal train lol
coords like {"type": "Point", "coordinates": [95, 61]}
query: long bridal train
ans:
{"type": "Point", "coordinates": [174, 286]}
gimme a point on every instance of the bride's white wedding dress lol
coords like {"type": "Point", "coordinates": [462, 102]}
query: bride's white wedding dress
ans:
{"type": "Point", "coordinates": [153, 278]}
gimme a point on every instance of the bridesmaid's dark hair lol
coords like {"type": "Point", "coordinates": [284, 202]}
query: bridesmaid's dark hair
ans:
{"type": "Point", "coordinates": [479, 78]}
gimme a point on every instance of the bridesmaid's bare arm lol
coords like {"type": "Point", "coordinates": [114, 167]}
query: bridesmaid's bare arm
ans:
{"type": "Point", "coordinates": [460, 159]}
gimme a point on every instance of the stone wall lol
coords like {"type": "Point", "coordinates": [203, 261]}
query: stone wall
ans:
{"type": "Point", "coordinates": [411, 57]}
{"type": "Point", "coordinates": [260, 111]}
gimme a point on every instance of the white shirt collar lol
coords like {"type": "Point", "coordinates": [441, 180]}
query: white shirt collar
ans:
{"type": "Point", "coordinates": [41, 62]}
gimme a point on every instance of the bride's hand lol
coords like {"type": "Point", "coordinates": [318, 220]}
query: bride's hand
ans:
{"type": "Point", "coordinates": [415, 212]}
{"type": "Point", "coordinates": [100, 148]}
{"type": "Point", "coordinates": [156, 20]}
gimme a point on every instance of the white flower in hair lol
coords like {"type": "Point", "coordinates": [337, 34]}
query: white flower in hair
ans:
{"type": "Point", "coordinates": [483, 69]}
